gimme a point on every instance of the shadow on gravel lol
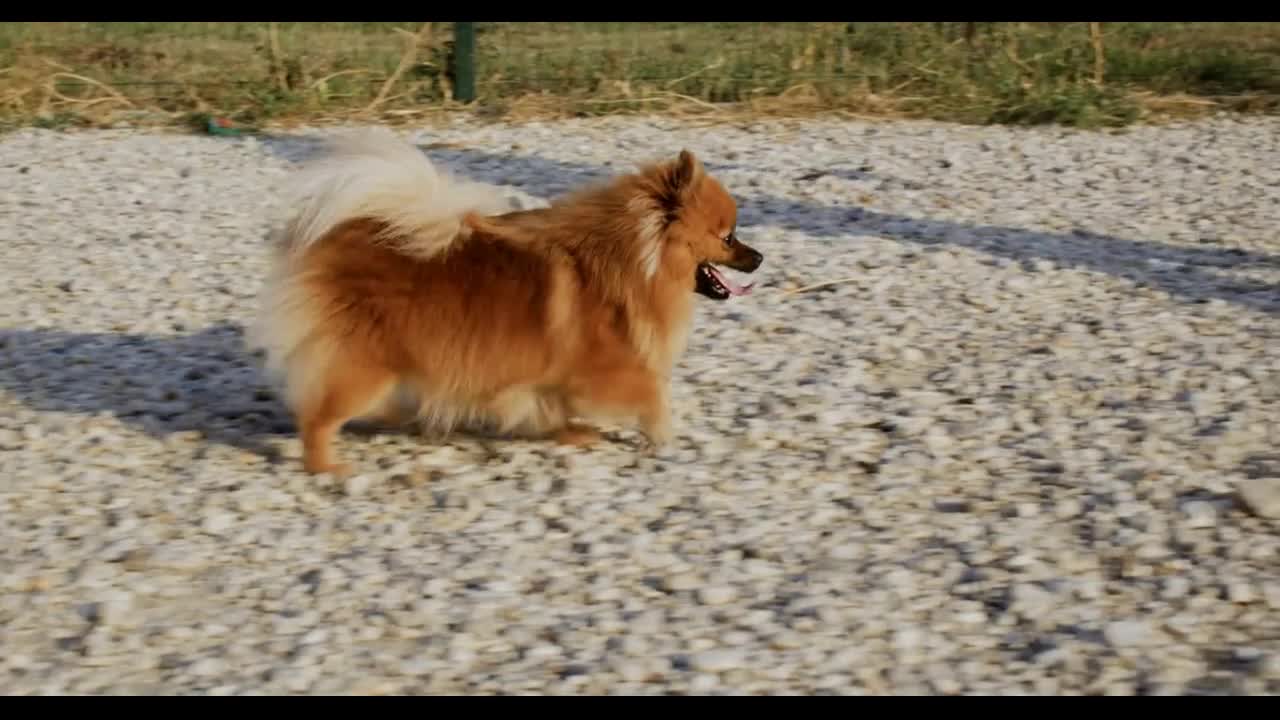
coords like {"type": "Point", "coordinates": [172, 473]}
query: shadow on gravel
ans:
{"type": "Point", "coordinates": [205, 382]}
{"type": "Point", "coordinates": [1188, 273]}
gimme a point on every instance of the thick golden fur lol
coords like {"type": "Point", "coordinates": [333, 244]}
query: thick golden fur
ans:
{"type": "Point", "coordinates": [398, 291]}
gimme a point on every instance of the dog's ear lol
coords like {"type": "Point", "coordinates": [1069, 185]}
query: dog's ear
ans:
{"type": "Point", "coordinates": [686, 171]}
{"type": "Point", "coordinates": [676, 178]}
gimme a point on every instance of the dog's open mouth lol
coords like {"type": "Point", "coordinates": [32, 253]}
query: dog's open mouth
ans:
{"type": "Point", "coordinates": [716, 285]}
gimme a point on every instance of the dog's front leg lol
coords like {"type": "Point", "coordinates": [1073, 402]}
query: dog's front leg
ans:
{"type": "Point", "coordinates": [629, 393]}
{"type": "Point", "coordinates": [655, 420]}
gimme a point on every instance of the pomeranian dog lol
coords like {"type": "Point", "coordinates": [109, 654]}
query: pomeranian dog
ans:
{"type": "Point", "coordinates": [398, 292]}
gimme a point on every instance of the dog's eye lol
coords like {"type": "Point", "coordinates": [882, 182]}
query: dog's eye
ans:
{"type": "Point", "coordinates": [730, 239]}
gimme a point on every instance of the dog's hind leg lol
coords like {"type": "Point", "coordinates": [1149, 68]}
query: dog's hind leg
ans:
{"type": "Point", "coordinates": [343, 393]}
{"type": "Point", "coordinates": [399, 406]}
{"type": "Point", "coordinates": [535, 413]}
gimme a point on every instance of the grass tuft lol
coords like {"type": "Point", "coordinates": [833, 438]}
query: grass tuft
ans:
{"type": "Point", "coordinates": [1078, 74]}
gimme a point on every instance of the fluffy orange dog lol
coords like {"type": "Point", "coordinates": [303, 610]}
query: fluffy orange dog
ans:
{"type": "Point", "coordinates": [398, 291]}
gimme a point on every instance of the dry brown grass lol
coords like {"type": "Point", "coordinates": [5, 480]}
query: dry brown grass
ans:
{"type": "Point", "coordinates": [1086, 74]}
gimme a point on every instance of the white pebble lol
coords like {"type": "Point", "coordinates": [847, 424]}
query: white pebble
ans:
{"type": "Point", "coordinates": [717, 594]}
{"type": "Point", "coordinates": [1127, 633]}
{"type": "Point", "coordinates": [357, 485]}
{"type": "Point", "coordinates": [1262, 496]}
{"type": "Point", "coordinates": [717, 660]}
{"type": "Point", "coordinates": [217, 522]}
{"type": "Point", "coordinates": [1200, 514]}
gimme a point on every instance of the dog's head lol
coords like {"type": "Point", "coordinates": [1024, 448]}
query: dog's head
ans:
{"type": "Point", "coordinates": [696, 222]}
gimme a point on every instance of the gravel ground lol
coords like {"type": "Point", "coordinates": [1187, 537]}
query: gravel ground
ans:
{"type": "Point", "coordinates": [1028, 444]}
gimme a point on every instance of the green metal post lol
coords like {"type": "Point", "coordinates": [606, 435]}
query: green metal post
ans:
{"type": "Point", "coordinates": [464, 61]}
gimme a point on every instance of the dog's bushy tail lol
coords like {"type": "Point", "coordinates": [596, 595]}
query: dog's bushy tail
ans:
{"type": "Point", "coordinates": [363, 175]}
{"type": "Point", "coordinates": [374, 175]}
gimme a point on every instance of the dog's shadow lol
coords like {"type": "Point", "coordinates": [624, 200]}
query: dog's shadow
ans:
{"type": "Point", "coordinates": [207, 382]}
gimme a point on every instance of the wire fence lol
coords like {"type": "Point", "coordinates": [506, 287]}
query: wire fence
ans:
{"type": "Point", "coordinates": [969, 70]}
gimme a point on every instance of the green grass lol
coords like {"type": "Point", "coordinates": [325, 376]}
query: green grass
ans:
{"type": "Point", "coordinates": [83, 73]}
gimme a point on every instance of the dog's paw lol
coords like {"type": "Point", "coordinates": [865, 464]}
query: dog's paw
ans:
{"type": "Point", "coordinates": [577, 436]}
{"type": "Point", "coordinates": [667, 452]}
{"type": "Point", "coordinates": [658, 436]}
{"type": "Point", "coordinates": [336, 471]}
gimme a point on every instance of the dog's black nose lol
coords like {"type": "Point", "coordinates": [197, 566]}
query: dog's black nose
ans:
{"type": "Point", "coordinates": [756, 259]}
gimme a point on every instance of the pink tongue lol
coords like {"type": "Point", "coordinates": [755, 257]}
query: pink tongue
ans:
{"type": "Point", "coordinates": [732, 287]}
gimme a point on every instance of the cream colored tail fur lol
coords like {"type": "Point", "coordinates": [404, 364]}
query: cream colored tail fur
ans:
{"type": "Point", "coordinates": [376, 175]}
{"type": "Point", "coordinates": [367, 174]}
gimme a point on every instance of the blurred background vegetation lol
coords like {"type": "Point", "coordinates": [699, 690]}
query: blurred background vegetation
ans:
{"type": "Point", "coordinates": [1081, 74]}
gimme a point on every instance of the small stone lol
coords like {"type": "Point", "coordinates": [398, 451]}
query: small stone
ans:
{"type": "Point", "coordinates": [116, 608]}
{"type": "Point", "coordinates": [943, 680]}
{"type": "Point", "coordinates": [913, 355]}
{"type": "Point", "coordinates": [703, 683]}
{"type": "Point", "coordinates": [461, 656]}
{"type": "Point", "coordinates": [1269, 668]}
{"type": "Point", "coordinates": [135, 560]}
{"type": "Point", "coordinates": [717, 595]}
{"type": "Point", "coordinates": [1150, 551]}
{"type": "Point", "coordinates": [681, 581]}
{"type": "Point", "coordinates": [632, 670]}
{"type": "Point", "coordinates": [1089, 588]}
{"type": "Point", "coordinates": [756, 567]}
{"type": "Point", "coordinates": [217, 522]}
{"type": "Point", "coordinates": [908, 639]}
{"type": "Point", "coordinates": [207, 667]}
{"type": "Point", "coordinates": [374, 687]}
{"type": "Point", "coordinates": [1200, 514]}
{"type": "Point", "coordinates": [410, 480]}
{"type": "Point", "coordinates": [543, 652]}
{"type": "Point", "coordinates": [1261, 496]}
{"type": "Point", "coordinates": [1127, 633]}
{"type": "Point", "coordinates": [1240, 592]}
{"type": "Point", "coordinates": [786, 639]}
{"type": "Point", "coordinates": [716, 660]}
{"type": "Point", "coordinates": [415, 667]}
{"type": "Point", "coordinates": [1175, 587]}
{"type": "Point", "coordinates": [90, 612]}
{"type": "Point", "coordinates": [573, 670]}
{"type": "Point", "coordinates": [1022, 560]}
{"type": "Point", "coordinates": [37, 584]}
{"type": "Point", "coordinates": [1032, 601]}
{"type": "Point", "coordinates": [951, 505]}
{"type": "Point", "coordinates": [1271, 594]}
{"type": "Point", "coordinates": [1181, 625]}
{"type": "Point", "coordinates": [298, 679]}
{"type": "Point", "coordinates": [846, 551]}
{"type": "Point", "coordinates": [356, 485]}
{"type": "Point", "coordinates": [1068, 508]}
{"type": "Point", "coordinates": [314, 637]}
